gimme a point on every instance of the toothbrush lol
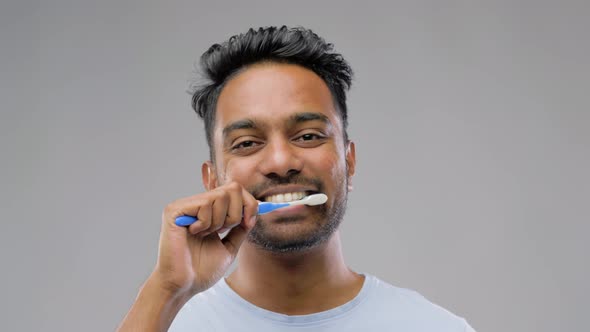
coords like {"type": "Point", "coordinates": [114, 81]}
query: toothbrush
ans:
{"type": "Point", "coordinates": [266, 207]}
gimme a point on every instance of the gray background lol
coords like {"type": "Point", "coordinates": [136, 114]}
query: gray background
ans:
{"type": "Point", "coordinates": [471, 120]}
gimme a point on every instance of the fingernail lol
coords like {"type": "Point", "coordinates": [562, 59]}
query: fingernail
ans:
{"type": "Point", "coordinates": [252, 221]}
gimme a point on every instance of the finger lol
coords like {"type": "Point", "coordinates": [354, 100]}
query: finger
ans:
{"type": "Point", "coordinates": [219, 211]}
{"type": "Point", "coordinates": [250, 209]}
{"type": "Point", "coordinates": [186, 206]}
{"type": "Point", "coordinates": [204, 219]}
{"type": "Point", "coordinates": [234, 239]}
{"type": "Point", "coordinates": [236, 207]}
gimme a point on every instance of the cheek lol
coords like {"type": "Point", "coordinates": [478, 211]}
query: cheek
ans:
{"type": "Point", "coordinates": [332, 171]}
{"type": "Point", "coordinates": [238, 170]}
{"type": "Point", "coordinates": [330, 165]}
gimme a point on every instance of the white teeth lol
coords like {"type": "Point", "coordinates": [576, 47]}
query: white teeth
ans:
{"type": "Point", "coordinates": [287, 197]}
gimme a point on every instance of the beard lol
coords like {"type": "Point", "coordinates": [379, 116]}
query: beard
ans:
{"type": "Point", "coordinates": [325, 222]}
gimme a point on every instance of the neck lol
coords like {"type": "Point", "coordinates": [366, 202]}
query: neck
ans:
{"type": "Point", "coordinates": [295, 283]}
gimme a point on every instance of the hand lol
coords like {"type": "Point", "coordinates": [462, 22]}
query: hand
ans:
{"type": "Point", "coordinates": [191, 260]}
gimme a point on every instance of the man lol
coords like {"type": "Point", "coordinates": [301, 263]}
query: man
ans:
{"type": "Point", "coordinates": [275, 118]}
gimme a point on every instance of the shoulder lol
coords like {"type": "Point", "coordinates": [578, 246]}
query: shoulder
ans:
{"type": "Point", "coordinates": [411, 307]}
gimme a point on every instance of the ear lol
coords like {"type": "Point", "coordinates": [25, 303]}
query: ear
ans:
{"type": "Point", "coordinates": [209, 175]}
{"type": "Point", "coordinates": [350, 162]}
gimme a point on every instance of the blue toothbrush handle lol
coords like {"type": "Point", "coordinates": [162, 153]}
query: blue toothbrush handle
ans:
{"type": "Point", "coordinates": [266, 207]}
{"type": "Point", "coordinates": [185, 220]}
{"type": "Point", "coordinates": [263, 207]}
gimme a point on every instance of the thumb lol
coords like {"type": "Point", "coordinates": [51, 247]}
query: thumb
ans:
{"type": "Point", "coordinates": [234, 239]}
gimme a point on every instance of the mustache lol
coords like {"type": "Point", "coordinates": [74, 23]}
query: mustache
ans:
{"type": "Point", "coordinates": [296, 179]}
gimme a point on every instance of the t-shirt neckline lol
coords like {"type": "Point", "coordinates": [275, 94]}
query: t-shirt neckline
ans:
{"type": "Point", "coordinates": [314, 318]}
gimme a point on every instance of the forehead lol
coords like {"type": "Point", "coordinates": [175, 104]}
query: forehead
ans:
{"type": "Point", "coordinates": [271, 93]}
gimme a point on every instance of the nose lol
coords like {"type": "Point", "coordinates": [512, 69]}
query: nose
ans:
{"type": "Point", "coordinates": [280, 159]}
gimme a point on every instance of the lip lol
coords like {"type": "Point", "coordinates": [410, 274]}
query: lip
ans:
{"type": "Point", "coordinates": [285, 189]}
{"type": "Point", "coordinates": [290, 215]}
{"type": "Point", "coordinates": [296, 210]}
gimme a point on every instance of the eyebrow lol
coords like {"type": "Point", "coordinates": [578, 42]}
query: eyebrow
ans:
{"type": "Point", "coordinates": [240, 124]}
{"type": "Point", "coordinates": [308, 116]}
{"type": "Point", "coordinates": [293, 120]}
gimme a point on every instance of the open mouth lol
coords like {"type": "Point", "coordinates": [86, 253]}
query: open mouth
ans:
{"type": "Point", "coordinates": [287, 197]}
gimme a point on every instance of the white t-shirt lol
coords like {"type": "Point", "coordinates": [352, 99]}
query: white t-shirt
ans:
{"type": "Point", "coordinates": [379, 306]}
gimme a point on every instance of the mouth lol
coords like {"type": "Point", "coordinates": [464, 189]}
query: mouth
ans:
{"type": "Point", "coordinates": [285, 195]}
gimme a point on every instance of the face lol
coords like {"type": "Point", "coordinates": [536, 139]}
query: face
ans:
{"type": "Point", "coordinates": [277, 133]}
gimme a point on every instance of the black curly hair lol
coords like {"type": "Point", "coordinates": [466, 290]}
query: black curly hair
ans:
{"type": "Point", "coordinates": [298, 46]}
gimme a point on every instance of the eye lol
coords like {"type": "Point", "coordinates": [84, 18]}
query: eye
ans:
{"type": "Point", "coordinates": [309, 137]}
{"type": "Point", "coordinates": [244, 145]}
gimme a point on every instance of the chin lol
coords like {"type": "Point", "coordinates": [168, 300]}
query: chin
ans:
{"type": "Point", "coordinates": [288, 235]}
{"type": "Point", "coordinates": [296, 232]}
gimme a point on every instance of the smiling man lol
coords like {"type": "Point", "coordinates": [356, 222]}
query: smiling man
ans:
{"type": "Point", "coordinates": [275, 115]}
